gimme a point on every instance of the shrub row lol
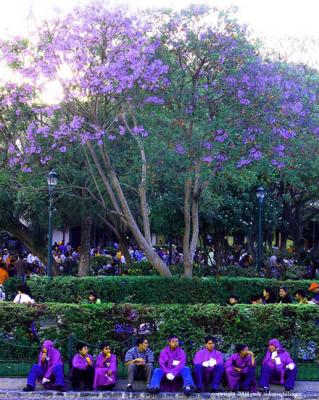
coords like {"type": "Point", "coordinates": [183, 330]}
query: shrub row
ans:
{"type": "Point", "coordinates": [144, 268]}
{"type": "Point", "coordinates": [150, 289]}
{"type": "Point", "coordinates": [295, 325]}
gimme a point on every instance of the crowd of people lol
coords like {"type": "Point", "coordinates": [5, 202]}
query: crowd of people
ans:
{"type": "Point", "coordinates": [66, 257]}
{"type": "Point", "coordinates": [268, 296]}
{"type": "Point", "coordinates": [238, 371]}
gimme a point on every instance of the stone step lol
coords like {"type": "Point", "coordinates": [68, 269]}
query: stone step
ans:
{"type": "Point", "coordinates": [19, 384]}
{"type": "Point", "coordinates": [11, 388]}
{"type": "Point", "coordinates": [42, 395]}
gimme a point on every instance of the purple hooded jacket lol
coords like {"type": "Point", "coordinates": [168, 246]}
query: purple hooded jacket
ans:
{"type": "Point", "coordinates": [205, 355]}
{"type": "Point", "coordinates": [282, 360]}
{"type": "Point", "coordinates": [53, 358]}
{"type": "Point", "coordinates": [167, 358]}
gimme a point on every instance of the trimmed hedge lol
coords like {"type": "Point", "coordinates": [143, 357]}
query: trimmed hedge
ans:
{"type": "Point", "coordinates": [297, 326]}
{"type": "Point", "coordinates": [150, 289]}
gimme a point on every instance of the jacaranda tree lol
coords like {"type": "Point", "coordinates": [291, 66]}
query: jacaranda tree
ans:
{"type": "Point", "coordinates": [222, 103]}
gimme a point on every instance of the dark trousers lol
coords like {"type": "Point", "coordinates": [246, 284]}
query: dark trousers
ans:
{"type": "Point", "coordinates": [141, 372]}
{"type": "Point", "coordinates": [211, 376]}
{"type": "Point", "coordinates": [82, 377]}
{"type": "Point", "coordinates": [268, 374]}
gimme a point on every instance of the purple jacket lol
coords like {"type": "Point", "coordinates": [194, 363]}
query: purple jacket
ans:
{"type": "Point", "coordinates": [172, 361]}
{"type": "Point", "coordinates": [205, 355]}
{"type": "Point", "coordinates": [53, 358]}
{"type": "Point", "coordinates": [102, 366]}
{"type": "Point", "coordinates": [281, 361]}
{"type": "Point", "coordinates": [80, 362]}
{"type": "Point", "coordinates": [109, 364]}
{"type": "Point", "coordinates": [236, 361]}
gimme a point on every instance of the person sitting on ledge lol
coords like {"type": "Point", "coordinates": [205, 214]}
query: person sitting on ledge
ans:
{"type": "Point", "coordinates": [49, 368]}
{"type": "Point", "coordinates": [82, 372]}
{"type": "Point", "coordinates": [277, 367]}
{"type": "Point", "coordinates": [140, 362]}
{"type": "Point", "coordinates": [208, 366]}
{"type": "Point", "coordinates": [172, 361]}
{"type": "Point", "coordinates": [240, 369]}
{"type": "Point", "coordinates": [105, 369]}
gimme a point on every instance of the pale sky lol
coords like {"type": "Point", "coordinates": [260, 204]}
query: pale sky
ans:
{"type": "Point", "coordinates": [268, 19]}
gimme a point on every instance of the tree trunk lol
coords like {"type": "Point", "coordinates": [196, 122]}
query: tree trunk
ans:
{"type": "Point", "coordinates": [283, 242]}
{"type": "Point", "coordinates": [187, 229]}
{"type": "Point", "coordinates": [125, 250]}
{"type": "Point", "coordinates": [219, 247]}
{"type": "Point", "coordinates": [250, 244]}
{"type": "Point", "coordinates": [195, 210]}
{"type": "Point", "coordinates": [122, 209]}
{"type": "Point", "coordinates": [86, 226]}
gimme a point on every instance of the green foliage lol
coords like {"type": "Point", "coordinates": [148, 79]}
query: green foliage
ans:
{"type": "Point", "coordinates": [295, 325]}
{"type": "Point", "coordinates": [97, 262]}
{"type": "Point", "coordinates": [151, 289]}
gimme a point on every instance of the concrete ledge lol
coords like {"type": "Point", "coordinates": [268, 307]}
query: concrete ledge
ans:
{"type": "Point", "coordinates": [39, 395]}
{"type": "Point", "coordinates": [11, 388]}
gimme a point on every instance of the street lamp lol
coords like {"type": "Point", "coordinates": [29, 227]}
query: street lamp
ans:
{"type": "Point", "coordinates": [52, 179]}
{"type": "Point", "coordinates": [260, 193]}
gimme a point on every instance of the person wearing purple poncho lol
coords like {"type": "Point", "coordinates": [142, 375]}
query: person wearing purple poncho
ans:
{"type": "Point", "coordinates": [208, 366]}
{"type": "Point", "coordinates": [82, 372]}
{"type": "Point", "coordinates": [49, 368]}
{"type": "Point", "coordinates": [105, 369]}
{"type": "Point", "coordinates": [172, 361]}
{"type": "Point", "coordinates": [240, 369]}
{"type": "Point", "coordinates": [277, 367]}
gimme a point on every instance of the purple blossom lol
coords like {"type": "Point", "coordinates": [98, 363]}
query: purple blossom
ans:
{"type": "Point", "coordinates": [76, 123]}
{"type": "Point", "coordinates": [207, 159]}
{"type": "Point", "coordinates": [220, 136]}
{"type": "Point", "coordinates": [122, 130]}
{"type": "Point", "coordinates": [179, 148]}
{"type": "Point", "coordinates": [63, 149]}
{"type": "Point", "coordinates": [255, 154]}
{"type": "Point", "coordinates": [279, 149]}
{"type": "Point", "coordinates": [207, 145]}
{"type": "Point", "coordinates": [154, 100]}
{"type": "Point", "coordinates": [111, 137]}
{"type": "Point", "coordinates": [284, 133]}
{"type": "Point", "coordinates": [139, 130]}
{"type": "Point", "coordinates": [278, 164]}
{"type": "Point", "coordinates": [220, 158]}
{"type": "Point", "coordinates": [244, 102]}
{"type": "Point", "coordinates": [243, 162]}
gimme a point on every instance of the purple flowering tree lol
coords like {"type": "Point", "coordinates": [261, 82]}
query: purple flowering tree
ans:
{"type": "Point", "coordinates": [106, 65]}
{"type": "Point", "coordinates": [222, 105]}
{"type": "Point", "coordinates": [227, 105]}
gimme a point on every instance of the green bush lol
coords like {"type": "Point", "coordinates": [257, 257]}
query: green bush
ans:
{"type": "Point", "coordinates": [97, 262]}
{"type": "Point", "coordinates": [150, 289]}
{"type": "Point", "coordinates": [295, 325]}
{"type": "Point", "coordinates": [295, 272]}
{"type": "Point", "coordinates": [145, 268]}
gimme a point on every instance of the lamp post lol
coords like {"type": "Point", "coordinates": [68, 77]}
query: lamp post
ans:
{"type": "Point", "coordinates": [260, 193]}
{"type": "Point", "coordinates": [52, 179]}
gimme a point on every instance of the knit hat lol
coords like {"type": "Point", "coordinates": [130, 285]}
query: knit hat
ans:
{"type": "Point", "coordinates": [314, 285]}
